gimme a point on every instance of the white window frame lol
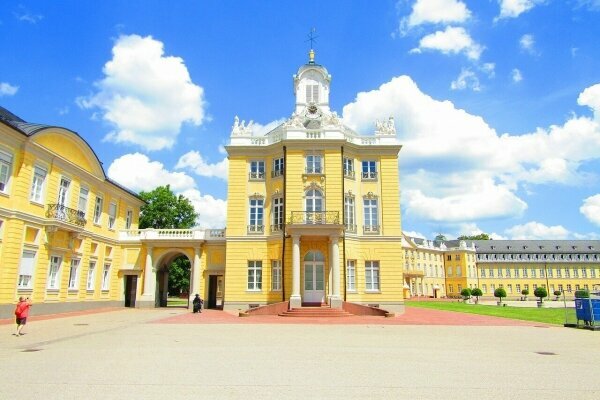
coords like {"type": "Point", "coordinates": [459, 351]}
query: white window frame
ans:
{"type": "Point", "coordinates": [38, 184]}
{"type": "Point", "coordinates": [256, 215]}
{"type": "Point", "coordinates": [371, 215]}
{"type": "Point", "coordinates": [350, 213]}
{"type": "Point", "coordinates": [54, 268]}
{"type": "Point", "coordinates": [312, 93]}
{"type": "Point", "coordinates": [372, 276]}
{"type": "Point", "coordinates": [74, 273]}
{"type": "Point", "coordinates": [314, 163]}
{"type": "Point", "coordinates": [98, 209]}
{"type": "Point", "coordinates": [254, 276]}
{"type": "Point", "coordinates": [91, 276]}
{"type": "Point", "coordinates": [351, 275]}
{"type": "Point", "coordinates": [370, 172]}
{"type": "Point", "coordinates": [277, 214]}
{"type": "Point", "coordinates": [278, 167]}
{"type": "Point", "coordinates": [6, 160]}
{"type": "Point", "coordinates": [64, 191]}
{"type": "Point", "coordinates": [348, 166]}
{"type": "Point", "coordinates": [106, 277]}
{"type": "Point", "coordinates": [128, 218]}
{"type": "Point", "coordinates": [257, 170]}
{"type": "Point", "coordinates": [82, 200]}
{"type": "Point", "coordinates": [26, 269]}
{"type": "Point", "coordinates": [276, 275]}
{"type": "Point", "coordinates": [112, 214]}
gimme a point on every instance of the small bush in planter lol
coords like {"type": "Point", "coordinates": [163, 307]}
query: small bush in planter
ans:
{"type": "Point", "coordinates": [476, 292]}
{"type": "Point", "coordinates": [500, 293]}
{"type": "Point", "coordinates": [540, 293]}
{"type": "Point", "coordinates": [466, 293]}
{"type": "Point", "coordinates": [582, 294]}
{"type": "Point", "coordinates": [525, 293]}
{"type": "Point", "coordinates": [557, 294]}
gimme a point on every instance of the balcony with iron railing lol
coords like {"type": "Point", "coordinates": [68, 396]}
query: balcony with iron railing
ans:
{"type": "Point", "coordinates": [60, 213]}
{"type": "Point", "coordinates": [350, 228]}
{"type": "Point", "coordinates": [276, 172]}
{"type": "Point", "coordinates": [348, 173]}
{"type": "Point", "coordinates": [256, 229]}
{"type": "Point", "coordinates": [315, 217]}
{"type": "Point", "coordinates": [276, 227]}
{"type": "Point", "coordinates": [369, 175]}
{"type": "Point", "coordinates": [371, 229]}
{"type": "Point", "coordinates": [256, 176]}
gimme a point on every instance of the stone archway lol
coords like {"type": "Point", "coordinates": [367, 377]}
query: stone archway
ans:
{"type": "Point", "coordinates": [170, 292]}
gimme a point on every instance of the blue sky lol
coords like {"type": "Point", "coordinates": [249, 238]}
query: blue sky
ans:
{"type": "Point", "coordinates": [496, 102]}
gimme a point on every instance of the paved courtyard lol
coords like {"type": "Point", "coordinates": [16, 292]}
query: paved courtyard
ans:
{"type": "Point", "coordinates": [172, 354]}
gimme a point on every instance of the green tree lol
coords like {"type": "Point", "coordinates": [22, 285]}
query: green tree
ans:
{"type": "Point", "coordinates": [481, 236]}
{"type": "Point", "coordinates": [476, 292]}
{"type": "Point", "coordinates": [557, 294]}
{"type": "Point", "coordinates": [525, 293]}
{"type": "Point", "coordinates": [540, 292]}
{"type": "Point", "coordinates": [500, 293]}
{"type": "Point", "coordinates": [179, 276]}
{"type": "Point", "coordinates": [165, 210]}
{"type": "Point", "coordinates": [466, 293]}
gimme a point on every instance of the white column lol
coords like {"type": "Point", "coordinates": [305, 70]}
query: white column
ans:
{"type": "Point", "coordinates": [149, 293]}
{"type": "Point", "coordinates": [196, 275]}
{"type": "Point", "coordinates": [295, 298]}
{"type": "Point", "coordinates": [336, 300]}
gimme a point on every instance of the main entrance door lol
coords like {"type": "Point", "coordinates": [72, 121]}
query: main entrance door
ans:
{"type": "Point", "coordinates": [314, 277]}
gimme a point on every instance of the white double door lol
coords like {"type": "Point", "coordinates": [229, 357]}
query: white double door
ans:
{"type": "Point", "coordinates": [314, 282]}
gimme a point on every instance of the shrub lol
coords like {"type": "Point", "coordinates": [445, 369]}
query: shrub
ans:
{"type": "Point", "coordinates": [540, 292]}
{"type": "Point", "coordinates": [525, 292]}
{"type": "Point", "coordinates": [500, 293]}
{"type": "Point", "coordinates": [557, 293]}
{"type": "Point", "coordinates": [465, 293]}
{"type": "Point", "coordinates": [476, 292]}
{"type": "Point", "coordinates": [582, 294]}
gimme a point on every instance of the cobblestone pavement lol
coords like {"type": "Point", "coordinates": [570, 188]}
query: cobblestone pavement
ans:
{"type": "Point", "coordinates": [149, 354]}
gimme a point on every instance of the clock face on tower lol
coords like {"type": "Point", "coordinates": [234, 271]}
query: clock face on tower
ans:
{"type": "Point", "coordinates": [313, 111]}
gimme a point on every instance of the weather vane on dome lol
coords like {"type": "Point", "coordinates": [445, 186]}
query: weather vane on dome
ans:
{"type": "Point", "coordinates": [312, 38]}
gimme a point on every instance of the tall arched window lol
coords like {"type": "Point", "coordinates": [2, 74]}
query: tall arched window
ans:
{"type": "Point", "coordinates": [313, 205]}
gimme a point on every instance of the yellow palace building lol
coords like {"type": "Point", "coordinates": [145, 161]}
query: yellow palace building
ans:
{"type": "Point", "coordinates": [313, 218]}
{"type": "Point", "coordinates": [313, 208]}
{"type": "Point", "coordinates": [59, 220]}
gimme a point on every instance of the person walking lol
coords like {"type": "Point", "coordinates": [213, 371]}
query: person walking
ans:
{"type": "Point", "coordinates": [21, 313]}
{"type": "Point", "coordinates": [197, 302]}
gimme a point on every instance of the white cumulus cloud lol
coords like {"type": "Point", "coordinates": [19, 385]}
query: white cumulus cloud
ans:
{"type": "Point", "coordinates": [537, 231]}
{"type": "Point", "coordinates": [213, 211]}
{"type": "Point", "coordinates": [516, 75]}
{"type": "Point", "coordinates": [137, 172]}
{"type": "Point", "coordinates": [456, 168]}
{"type": "Point", "coordinates": [591, 209]}
{"type": "Point", "coordinates": [453, 40]}
{"type": "Point", "coordinates": [514, 8]}
{"type": "Point", "coordinates": [527, 44]}
{"type": "Point", "coordinates": [145, 95]}
{"type": "Point", "coordinates": [6, 89]}
{"type": "Point", "coordinates": [435, 12]}
{"type": "Point", "coordinates": [194, 161]}
{"type": "Point", "coordinates": [466, 80]}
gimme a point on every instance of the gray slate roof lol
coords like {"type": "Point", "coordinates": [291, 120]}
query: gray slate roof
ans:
{"type": "Point", "coordinates": [537, 246]}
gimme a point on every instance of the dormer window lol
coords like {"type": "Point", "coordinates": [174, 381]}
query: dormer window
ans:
{"type": "Point", "coordinates": [312, 93]}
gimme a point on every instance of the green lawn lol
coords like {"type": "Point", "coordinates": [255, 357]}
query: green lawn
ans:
{"type": "Point", "coordinates": [554, 316]}
{"type": "Point", "coordinates": [176, 302]}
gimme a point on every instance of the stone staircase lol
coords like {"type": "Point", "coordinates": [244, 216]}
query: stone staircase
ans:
{"type": "Point", "coordinates": [316, 312]}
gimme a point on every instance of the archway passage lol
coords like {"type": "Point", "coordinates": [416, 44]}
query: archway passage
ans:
{"type": "Point", "coordinates": [173, 281]}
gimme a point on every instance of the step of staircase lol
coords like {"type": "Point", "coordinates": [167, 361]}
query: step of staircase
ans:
{"type": "Point", "coordinates": [318, 312]}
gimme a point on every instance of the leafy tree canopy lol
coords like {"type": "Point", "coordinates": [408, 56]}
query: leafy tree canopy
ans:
{"type": "Point", "coordinates": [481, 236]}
{"type": "Point", "coordinates": [477, 292]}
{"type": "Point", "coordinates": [540, 292]}
{"type": "Point", "coordinates": [165, 210]}
{"type": "Point", "coordinates": [179, 276]}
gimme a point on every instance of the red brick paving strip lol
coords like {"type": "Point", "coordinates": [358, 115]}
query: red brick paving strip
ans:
{"type": "Point", "coordinates": [33, 318]}
{"type": "Point", "coordinates": [412, 316]}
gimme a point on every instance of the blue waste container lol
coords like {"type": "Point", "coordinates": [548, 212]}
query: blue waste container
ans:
{"type": "Point", "coordinates": [588, 310]}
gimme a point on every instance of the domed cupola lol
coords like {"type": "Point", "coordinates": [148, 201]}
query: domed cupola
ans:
{"type": "Point", "coordinates": [311, 86]}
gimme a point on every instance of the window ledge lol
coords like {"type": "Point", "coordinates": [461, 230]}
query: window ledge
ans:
{"type": "Point", "coordinates": [4, 194]}
{"type": "Point", "coordinates": [36, 203]}
{"type": "Point", "coordinates": [373, 291]}
{"type": "Point", "coordinates": [52, 290]}
{"type": "Point", "coordinates": [253, 290]}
